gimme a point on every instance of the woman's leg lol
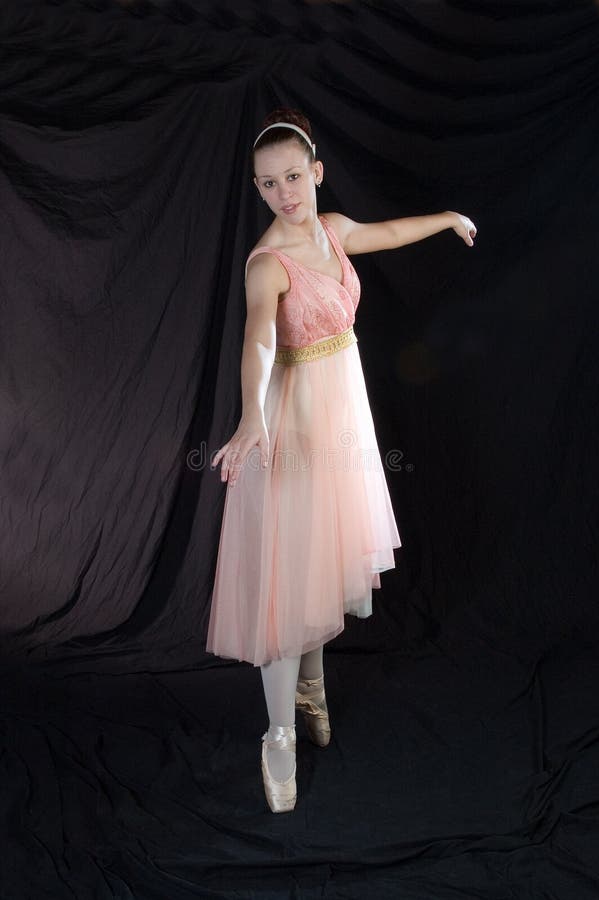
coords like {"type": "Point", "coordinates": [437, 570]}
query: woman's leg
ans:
{"type": "Point", "coordinates": [279, 679]}
{"type": "Point", "coordinates": [311, 697]}
{"type": "Point", "coordinates": [311, 664]}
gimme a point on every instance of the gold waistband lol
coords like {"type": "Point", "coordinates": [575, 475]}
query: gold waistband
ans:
{"type": "Point", "coordinates": [324, 347]}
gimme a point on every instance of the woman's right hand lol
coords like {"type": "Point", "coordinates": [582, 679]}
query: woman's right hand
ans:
{"type": "Point", "coordinates": [251, 432]}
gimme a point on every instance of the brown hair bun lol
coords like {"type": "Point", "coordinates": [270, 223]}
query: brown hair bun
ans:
{"type": "Point", "coordinates": [279, 135]}
{"type": "Point", "coordinates": [292, 116]}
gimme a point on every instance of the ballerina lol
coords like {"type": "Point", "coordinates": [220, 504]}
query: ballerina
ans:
{"type": "Point", "coordinates": [307, 525]}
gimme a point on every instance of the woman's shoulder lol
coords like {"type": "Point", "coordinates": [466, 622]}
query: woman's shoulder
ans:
{"type": "Point", "coordinates": [268, 240]}
{"type": "Point", "coordinates": [265, 268]}
{"type": "Point", "coordinates": [267, 256]}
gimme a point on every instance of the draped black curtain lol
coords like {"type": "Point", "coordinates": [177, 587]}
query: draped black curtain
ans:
{"type": "Point", "coordinates": [127, 213]}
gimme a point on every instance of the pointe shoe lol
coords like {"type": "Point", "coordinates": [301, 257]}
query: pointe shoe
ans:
{"type": "Point", "coordinates": [280, 795]}
{"type": "Point", "coordinates": [311, 701]}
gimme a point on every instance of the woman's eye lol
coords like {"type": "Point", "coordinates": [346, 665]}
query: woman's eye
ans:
{"type": "Point", "coordinates": [268, 184]}
{"type": "Point", "coordinates": [294, 175]}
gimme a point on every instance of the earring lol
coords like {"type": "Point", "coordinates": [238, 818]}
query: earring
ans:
{"type": "Point", "coordinates": [318, 183]}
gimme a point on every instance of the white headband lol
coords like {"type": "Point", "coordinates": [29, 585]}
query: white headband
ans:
{"type": "Point", "coordinates": [295, 128]}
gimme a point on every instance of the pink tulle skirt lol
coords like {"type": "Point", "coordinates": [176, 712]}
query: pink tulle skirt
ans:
{"type": "Point", "coordinates": [303, 541]}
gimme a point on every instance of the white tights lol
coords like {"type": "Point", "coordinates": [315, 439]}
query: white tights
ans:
{"type": "Point", "coordinates": [279, 679]}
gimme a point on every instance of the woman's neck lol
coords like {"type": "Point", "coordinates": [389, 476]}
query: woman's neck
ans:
{"type": "Point", "coordinates": [309, 232]}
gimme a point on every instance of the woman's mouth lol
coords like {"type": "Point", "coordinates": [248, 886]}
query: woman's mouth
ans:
{"type": "Point", "coordinates": [289, 210]}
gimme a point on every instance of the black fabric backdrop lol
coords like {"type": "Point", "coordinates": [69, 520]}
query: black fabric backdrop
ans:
{"type": "Point", "coordinates": [465, 756]}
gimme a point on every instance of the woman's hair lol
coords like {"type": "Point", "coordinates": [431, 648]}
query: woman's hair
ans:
{"type": "Point", "coordinates": [279, 135]}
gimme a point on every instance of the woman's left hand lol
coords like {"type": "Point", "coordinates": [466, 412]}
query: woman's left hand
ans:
{"type": "Point", "coordinates": [465, 227]}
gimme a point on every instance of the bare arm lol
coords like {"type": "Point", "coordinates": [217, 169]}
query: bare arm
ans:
{"type": "Point", "coordinates": [266, 279]}
{"type": "Point", "coordinates": [367, 237]}
{"type": "Point", "coordinates": [260, 334]}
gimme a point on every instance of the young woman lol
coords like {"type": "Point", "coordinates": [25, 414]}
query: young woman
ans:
{"type": "Point", "coordinates": [308, 524]}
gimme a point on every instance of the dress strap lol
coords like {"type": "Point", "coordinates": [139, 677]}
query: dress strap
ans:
{"type": "Point", "coordinates": [285, 260]}
{"type": "Point", "coordinates": [332, 234]}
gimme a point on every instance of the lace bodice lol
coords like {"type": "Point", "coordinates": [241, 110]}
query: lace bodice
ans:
{"type": "Point", "coordinates": [316, 305]}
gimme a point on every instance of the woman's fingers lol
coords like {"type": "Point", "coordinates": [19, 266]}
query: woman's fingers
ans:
{"type": "Point", "coordinates": [470, 232]}
{"type": "Point", "coordinates": [234, 452]}
{"type": "Point", "coordinates": [466, 229]}
{"type": "Point", "coordinates": [219, 454]}
{"type": "Point", "coordinates": [222, 454]}
{"type": "Point", "coordinates": [233, 461]}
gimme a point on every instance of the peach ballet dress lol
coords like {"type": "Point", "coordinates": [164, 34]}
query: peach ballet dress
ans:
{"type": "Point", "coordinates": [303, 541]}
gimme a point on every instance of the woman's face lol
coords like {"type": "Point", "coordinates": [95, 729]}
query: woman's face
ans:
{"type": "Point", "coordinates": [286, 179]}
